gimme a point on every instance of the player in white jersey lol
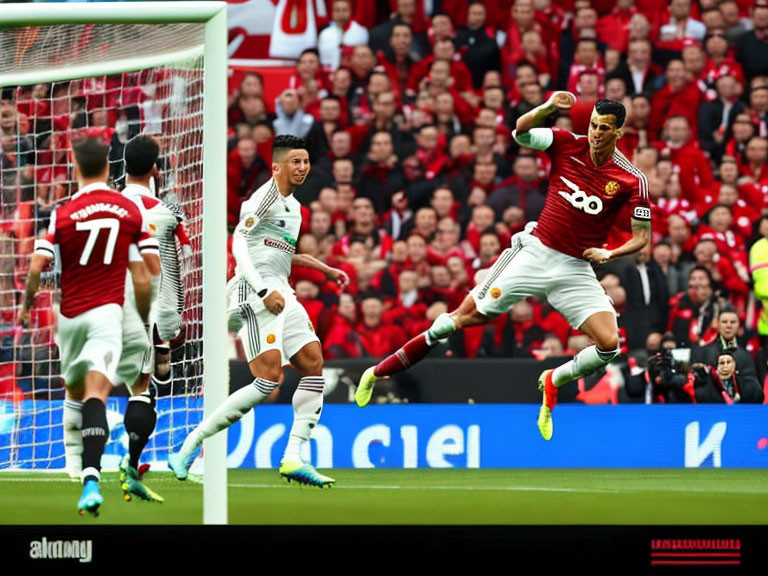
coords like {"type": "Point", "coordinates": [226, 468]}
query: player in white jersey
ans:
{"type": "Point", "coordinates": [274, 327]}
{"type": "Point", "coordinates": [136, 362]}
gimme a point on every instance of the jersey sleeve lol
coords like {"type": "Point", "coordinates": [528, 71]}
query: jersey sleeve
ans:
{"type": "Point", "coordinates": [544, 138]}
{"type": "Point", "coordinates": [639, 200]}
{"type": "Point", "coordinates": [144, 239]}
{"type": "Point", "coordinates": [45, 246]}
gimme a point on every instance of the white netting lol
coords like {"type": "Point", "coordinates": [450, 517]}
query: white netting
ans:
{"type": "Point", "coordinates": [36, 173]}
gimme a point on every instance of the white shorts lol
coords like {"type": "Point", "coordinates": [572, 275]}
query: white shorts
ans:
{"type": "Point", "coordinates": [529, 268]}
{"type": "Point", "coordinates": [137, 356]}
{"type": "Point", "coordinates": [91, 341]}
{"type": "Point", "coordinates": [260, 330]}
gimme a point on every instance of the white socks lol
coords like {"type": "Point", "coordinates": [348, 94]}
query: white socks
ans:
{"type": "Point", "coordinates": [583, 364]}
{"type": "Point", "coordinates": [307, 405]}
{"type": "Point", "coordinates": [72, 420]}
{"type": "Point", "coordinates": [441, 328]}
{"type": "Point", "coordinates": [230, 411]}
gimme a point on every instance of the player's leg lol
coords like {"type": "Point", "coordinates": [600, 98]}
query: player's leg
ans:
{"type": "Point", "coordinates": [259, 334]}
{"type": "Point", "coordinates": [307, 407]}
{"type": "Point", "coordinates": [72, 420]}
{"type": "Point", "coordinates": [95, 434]}
{"type": "Point", "coordinates": [505, 283]}
{"type": "Point", "coordinates": [583, 301]}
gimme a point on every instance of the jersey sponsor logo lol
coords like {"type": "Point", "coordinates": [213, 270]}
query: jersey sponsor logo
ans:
{"type": "Point", "coordinates": [580, 200]}
{"type": "Point", "coordinates": [284, 246]}
{"type": "Point", "coordinates": [642, 213]}
{"type": "Point", "coordinates": [611, 188]}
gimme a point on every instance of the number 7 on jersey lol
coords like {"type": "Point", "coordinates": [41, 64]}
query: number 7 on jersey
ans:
{"type": "Point", "coordinates": [94, 228]}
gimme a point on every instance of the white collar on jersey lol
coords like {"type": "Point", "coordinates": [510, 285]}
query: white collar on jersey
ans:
{"type": "Point", "coordinates": [91, 188]}
{"type": "Point", "coordinates": [138, 189]}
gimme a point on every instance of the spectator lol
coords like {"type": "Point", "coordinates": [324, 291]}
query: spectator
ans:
{"type": "Point", "coordinates": [613, 28]}
{"type": "Point", "coordinates": [674, 272]}
{"type": "Point", "coordinates": [734, 26]}
{"type": "Point", "coordinates": [319, 135]}
{"type": "Point", "coordinates": [446, 242]}
{"type": "Point", "coordinates": [342, 340]}
{"type": "Point", "coordinates": [647, 298]}
{"type": "Point", "coordinates": [479, 48]}
{"type": "Point", "coordinates": [586, 58]}
{"type": "Point", "coordinates": [730, 337]}
{"type": "Point", "coordinates": [693, 314]}
{"type": "Point", "coordinates": [752, 46]}
{"type": "Point", "coordinates": [380, 174]}
{"type": "Point", "coordinates": [377, 337]}
{"type": "Point", "coordinates": [399, 61]}
{"type": "Point", "coordinates": [756, 165]}
{"type": "Point", "coordinates": [524, 189]}
{"type": "Point", "coordinates": [363, 229]}
{"type": "Point", "coordinates": [678, 98]}
{"type": "Point", "coordinates": [341, 33]}
{"type": "Point", "coordinates": [406, 13]}
{"type": "Point", "coordinates": [291, 119]}
{"type": "Point", "coordinates": [246, 171]}
{"type": "Point", "coordinates": [725, 384]}
{"type": "Point", "coordinates": [681, 25]}
{"type": "Point", "coordinates": [717, 116]}
{"type": "Point", "coordinates": [758, 104]}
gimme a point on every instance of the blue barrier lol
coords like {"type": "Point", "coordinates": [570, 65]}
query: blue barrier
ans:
{"type": "Point", "coordinates": [439, 435]}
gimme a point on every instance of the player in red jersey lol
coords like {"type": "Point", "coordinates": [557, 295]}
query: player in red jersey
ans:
{"type": "Point", "coordinates": [95, 231]}
{"type": "Point", "coordinates": [590, 183]}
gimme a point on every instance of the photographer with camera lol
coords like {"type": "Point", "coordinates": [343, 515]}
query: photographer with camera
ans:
{"type": "Point", "coordinates": [667, 377]}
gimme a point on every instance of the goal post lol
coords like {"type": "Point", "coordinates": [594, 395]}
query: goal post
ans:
{"type": "Point", "coordinates": [66, 43]}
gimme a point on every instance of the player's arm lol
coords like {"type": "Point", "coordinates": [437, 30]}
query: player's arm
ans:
{"type": "Point", "coordinates": [273, 300]}
{"type": "Point", "coordinates": [142, 287]}
{"type": "Point", "coordinates": [641, 235]}
{"type": "Point", "coordinates": [331, 273]}
{"type": "Point", "coordinates": [38, 263]}
{"type": "Point", "coordinates": [529, 131]}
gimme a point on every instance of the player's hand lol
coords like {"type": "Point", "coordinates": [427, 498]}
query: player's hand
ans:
{"type": "Point", "coordinates": [562, 100]}
{"type": "Point", "coordinates": [274, 302]}
{"type": "Point", "coordinates": [22, 319]}
{"type": "Point", "coordinates": [597, 255]}
{"type": "Point", "coordinates": [338, 276]}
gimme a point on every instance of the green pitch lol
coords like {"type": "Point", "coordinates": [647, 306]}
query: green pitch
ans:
{"type": "Point", "coordinates": [695, 496]}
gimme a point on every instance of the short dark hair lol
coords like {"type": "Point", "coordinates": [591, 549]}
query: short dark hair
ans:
{"type": "Point", "coordinates": [90, 155]}
{"type": "Point", "coordinates": [140, 155]}
{"type": "Point", "coordinates": [705, 271]}
{"type": "Point", "coordinates": [604, 106]}
{"type": "Point", "coordinates": [284, 144]}
{"type": "Point", "coordinates": [728, 309]}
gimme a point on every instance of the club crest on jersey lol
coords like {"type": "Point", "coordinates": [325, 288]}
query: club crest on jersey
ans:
{"type": "Point", "coordinates": [611, 188]}
{"type": "Point", "coordinates": [249, 222]}
{"type": "Point", "coordinates": [581, 200]}
{"type": "Point", "coordinates": [495, 292]}
{"type": "Point", "coordinates": [271, 339]}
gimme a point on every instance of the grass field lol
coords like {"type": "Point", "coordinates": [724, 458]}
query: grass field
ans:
{"type": "Point", "coordinates": [387, 496]}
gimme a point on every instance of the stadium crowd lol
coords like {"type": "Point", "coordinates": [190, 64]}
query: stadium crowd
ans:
{"type": "Point", "coordinates": [417, 185]}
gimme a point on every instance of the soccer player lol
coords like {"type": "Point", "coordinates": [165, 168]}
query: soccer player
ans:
{"type": "Point", "coordinates": [94, 231]}
{"type": "Point", "coordinates": [274, 327]}
{"type": "Point", "coordinates": [136, 362]}
{"type": "Point", "coordinates": [589, 185]}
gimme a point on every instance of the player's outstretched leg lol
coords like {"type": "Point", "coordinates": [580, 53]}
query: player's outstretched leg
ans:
{"type": "Point", "coordinates": [131, 485]}
{"type": "Point", "coordinates": [230, 411]}
{"type": "Point", "coordinates": [583, 364]}
{"type": "Point", "coordinates": [412, 352]}
{"type": "Point", "coordinates": [297, 471]}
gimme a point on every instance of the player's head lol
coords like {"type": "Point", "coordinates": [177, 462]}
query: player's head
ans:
{"type": "Point", "coordinates": [606, 123]}
{"type": "Point", "coordinates": [290, 159]}
{"type": "Point", "coordinates": [140, 155]}
{"type": "Point", "coordinates": [91, 157]}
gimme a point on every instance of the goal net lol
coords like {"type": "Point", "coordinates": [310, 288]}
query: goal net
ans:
{"type": "Point", "coordinates": [115, 81]}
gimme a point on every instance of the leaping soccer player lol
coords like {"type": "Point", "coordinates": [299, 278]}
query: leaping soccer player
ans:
{"type": "Point", "coordinates": [590, 183]}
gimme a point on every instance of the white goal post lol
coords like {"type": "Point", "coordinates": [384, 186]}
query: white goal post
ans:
{"type": "Point", "coordinates": [15, 72]}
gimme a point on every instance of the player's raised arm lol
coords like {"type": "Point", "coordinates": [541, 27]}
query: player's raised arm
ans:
{"type": "Point", "coordinates": [529, 131]}
{"type": "Point", "coordinates": [641, 235]}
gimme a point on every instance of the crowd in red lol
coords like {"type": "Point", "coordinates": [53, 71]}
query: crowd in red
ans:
{"type": "Point", "coordinates": [417, 185]}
